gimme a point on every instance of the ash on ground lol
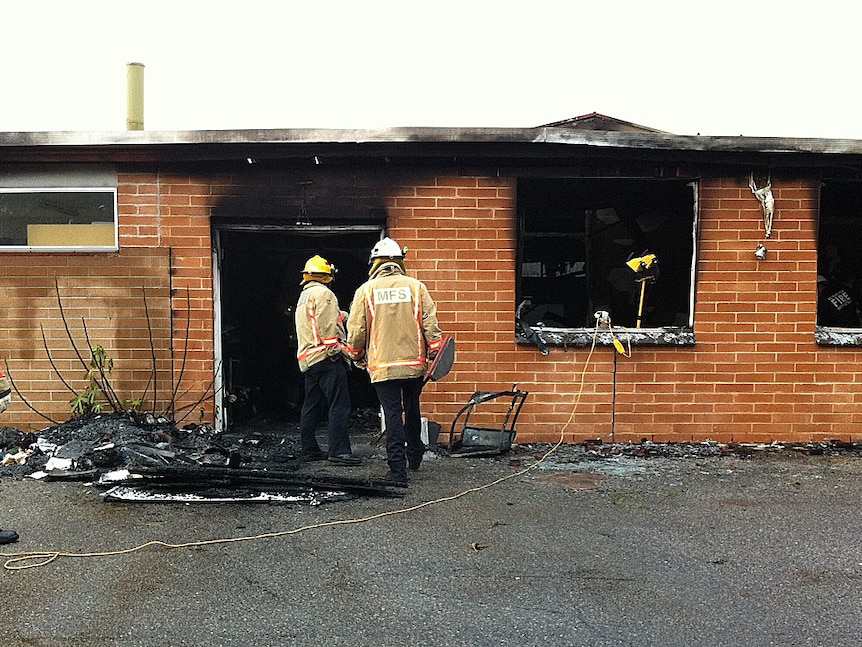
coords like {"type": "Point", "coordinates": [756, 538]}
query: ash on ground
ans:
{"type": "Point", "coordinates": [597, 450]}
{"type": "Point", "coordinates": [96, 444]}
{"type": "Point", "coordinates": [101, 443]}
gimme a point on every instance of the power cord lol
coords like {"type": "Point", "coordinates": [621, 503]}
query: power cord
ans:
{"type": "Point", "coordinates": [36, 559]}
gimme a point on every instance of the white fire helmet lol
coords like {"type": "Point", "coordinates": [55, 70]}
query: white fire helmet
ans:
{"type": "Point", "coordinates": [386, 248]}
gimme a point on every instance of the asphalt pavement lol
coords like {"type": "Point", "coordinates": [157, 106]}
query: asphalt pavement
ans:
{"type": "Point", "coordinates": [755, 550]}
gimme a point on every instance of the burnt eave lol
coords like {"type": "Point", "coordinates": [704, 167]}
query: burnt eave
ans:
{"type": "Point", "coordinates": [476, 144]}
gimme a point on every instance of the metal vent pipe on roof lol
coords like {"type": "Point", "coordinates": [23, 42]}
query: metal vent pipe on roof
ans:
{"type": "Point", "coordinates": [135, 96]}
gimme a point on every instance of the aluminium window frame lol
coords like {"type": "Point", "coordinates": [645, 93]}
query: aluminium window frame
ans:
{"type": "Point", "coordinates": [656, 336]}
{"type": "Point", "coordinates": [832, 336]}
{"type": "Point", "coordinates": [114, 247]}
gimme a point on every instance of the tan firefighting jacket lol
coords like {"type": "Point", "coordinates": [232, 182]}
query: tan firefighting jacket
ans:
{"type": "Point", "coordinates": [320, 331]}
{"type": "Point", "coordinates": [392, 325]}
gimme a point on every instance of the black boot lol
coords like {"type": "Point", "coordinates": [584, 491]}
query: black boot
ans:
{"type": "Point", "coordinates": [397, 477]}
{"type": "Point", "coordinates": [8, 536]}
{"type": "Point", "coordinates": [398, 471]}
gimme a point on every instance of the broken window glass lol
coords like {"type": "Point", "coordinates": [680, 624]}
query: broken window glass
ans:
{"type": "Point", "coordinates": [58, 218]}
{"type": "Point", "coordinates": [576, 236]}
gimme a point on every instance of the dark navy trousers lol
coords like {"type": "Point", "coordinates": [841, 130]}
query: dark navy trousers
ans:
{"type": "Point", "coordinates": [326, 384]}
{"type": "Point", "coordinates": [400, 402]}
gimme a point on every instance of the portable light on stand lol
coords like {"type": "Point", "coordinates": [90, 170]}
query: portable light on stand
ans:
{"type": "Point", "coordinates": [646, 268]}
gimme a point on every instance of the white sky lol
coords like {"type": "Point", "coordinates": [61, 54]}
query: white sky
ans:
{"type": "Point", "coordinates": [728, 67]}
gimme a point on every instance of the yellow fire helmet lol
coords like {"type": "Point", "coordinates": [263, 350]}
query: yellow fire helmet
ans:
{"type": "Point", "coordinates": [319, 269]}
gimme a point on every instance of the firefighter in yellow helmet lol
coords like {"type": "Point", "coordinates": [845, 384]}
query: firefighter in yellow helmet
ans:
{"type": "Point", "coordinates": [320, 336]}
{"type": "Point", "coordinates": [393, 330]}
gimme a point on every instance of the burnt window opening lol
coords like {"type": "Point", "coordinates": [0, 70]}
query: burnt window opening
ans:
{"type": "Point", "coordinates": [839, 280]}
{"type": "Point", "coordinates": [575, 238]}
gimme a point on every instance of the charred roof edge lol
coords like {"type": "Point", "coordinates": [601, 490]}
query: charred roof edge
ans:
{"type": "Point", "coordinates": [431, 135]}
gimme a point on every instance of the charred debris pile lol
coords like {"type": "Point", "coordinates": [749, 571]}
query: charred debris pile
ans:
{"type": "Point", "coordinates": [598, 450]}
{"type": "Point", "coordinates": [147, 457]}
{"type": "Point", "coordinates": [139, 457]}
{"type": "Point", "coordinates": [142, 458]}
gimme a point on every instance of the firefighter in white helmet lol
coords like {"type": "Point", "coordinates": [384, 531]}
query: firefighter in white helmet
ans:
{"type": "Point", "coordinates": [393, 331]}
{"type": "Point", "coordinates": [320, 336]}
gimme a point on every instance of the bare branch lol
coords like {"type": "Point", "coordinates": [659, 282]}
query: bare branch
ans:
{"type": "Point", "coordinates": [185, 353]}
{"type": "Point", "coordinates": [190, 407]}
{"type": "Point", "coordinates": [154, 376]}
{"type": "Point", "coordinates": [51, 361]}
{"type": "Point", "coordinates": [23, 399]}
{"type": "Point", "coordinates": [66, 326]}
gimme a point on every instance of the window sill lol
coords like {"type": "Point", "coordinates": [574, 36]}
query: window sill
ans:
{"type": "Point", "coordinates": [582, 337]}
{"type": "Point", "coordinates": [828, 336]}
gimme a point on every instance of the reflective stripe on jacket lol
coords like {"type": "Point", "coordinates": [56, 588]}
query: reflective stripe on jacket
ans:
{"type": "Point", "coordinates": [393, 325]}
{"type": "Point", "coordinates": [319, 325]}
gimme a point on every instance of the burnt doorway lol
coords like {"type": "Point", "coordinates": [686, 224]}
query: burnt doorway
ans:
{"type": "Point", "coordinates": [259, 274]}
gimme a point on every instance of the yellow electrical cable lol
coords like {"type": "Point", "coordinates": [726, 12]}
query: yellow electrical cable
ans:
{"type": "Point", "coordinates": [25, 560]}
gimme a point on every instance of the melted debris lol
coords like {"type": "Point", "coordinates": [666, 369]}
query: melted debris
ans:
{"type": "Point", "coordinates": [192, 463]}
{"type": "Point", "coordinates": [597, 450]}
{"type": "Point", "coordinates": [98, 447]}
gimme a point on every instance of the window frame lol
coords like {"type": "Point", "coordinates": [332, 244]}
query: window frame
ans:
{"type": "Point", "coordinates": [585, 336]}
{"type": "Point", "coordinates": [112, 190]}
{"type": "Point", "coordinates": [830, 335]}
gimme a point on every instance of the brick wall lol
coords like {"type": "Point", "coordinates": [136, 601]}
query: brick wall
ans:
{"type": "Point", "coordinates": [460, 236]}
{"type": "Point", "coordinates": [106, 299]}
{"type": "Point", "coordinates": [172, 212]}
{"type": "Point", "coordinates": [463, 231]}
{"type": "Point", "coordinates": [754, 375]}
{"type": "Point", "coordinates": [164, 230]}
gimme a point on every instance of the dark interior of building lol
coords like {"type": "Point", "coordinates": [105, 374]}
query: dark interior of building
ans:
{"type": "Point", "coordinates": [838, 235]}
{"type": "Point", "coordinates": [576, 236]}
{"type": "Point", "coordinates": [260, 274]}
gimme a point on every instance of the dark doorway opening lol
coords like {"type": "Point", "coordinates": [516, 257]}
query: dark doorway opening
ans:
{"type": "Point", "coordinates": [260, 270]}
